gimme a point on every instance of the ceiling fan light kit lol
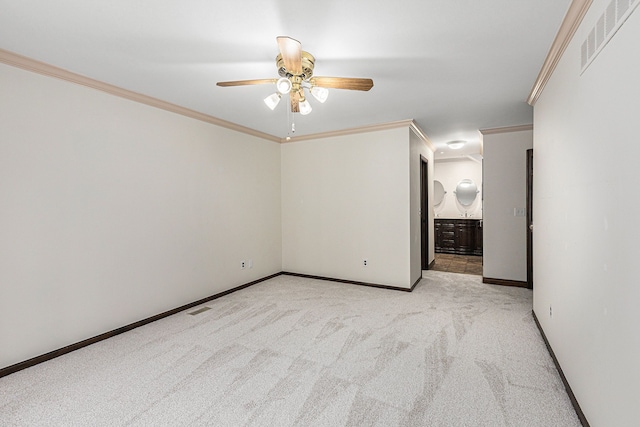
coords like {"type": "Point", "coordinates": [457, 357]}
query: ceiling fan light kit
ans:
{"type": "Point", "coordinates": [283, 85]}
{"type": "Point", "coordinates": [320, 93]}
{"type": "Point", "coordinates": [273, 100]}
{"type": "Point", "coordinates": [295, 68]}
{"type": "Point", "coordinates": [305, 107]}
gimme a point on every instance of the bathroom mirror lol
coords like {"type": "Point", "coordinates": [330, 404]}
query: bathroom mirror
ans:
{"type": "Point", "coordinates": [438, 192]}
{"type": "Point", "coordinates": [466, 192]}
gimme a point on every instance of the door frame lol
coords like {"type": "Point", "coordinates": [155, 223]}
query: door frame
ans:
{"type": "Point", "coordinates": [424, 212]}
{"type": "Point", "coordinates": [530, 218]}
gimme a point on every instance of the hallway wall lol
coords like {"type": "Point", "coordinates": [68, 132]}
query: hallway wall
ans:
{"type": "Point", "coordinates": [586, 289]}
{"type": "Point", "coordinates": [505, 179]}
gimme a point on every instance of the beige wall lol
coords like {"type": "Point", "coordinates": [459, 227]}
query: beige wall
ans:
{"type": "Point", "coordinates": [113, 211]}
{"type": "Point", "coordinates": [504, 188]}
{"type": "Point", "coordinates": [450, 172]}
{"type": "Point", "coordinates": [346, 199]}
{"type": "Point", "coordinates": [586, 240]}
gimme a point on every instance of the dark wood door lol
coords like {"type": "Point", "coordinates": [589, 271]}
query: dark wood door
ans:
{"type": "Point", "coordinates": [530, 218]}
{"type": "Point", "coordinates": [437, 232]}
{"type": "Point", "coordinates": [477, 247]}
{"type": "Point", "coordinates": [424, 212]}
{"type": "Point", "coordinates": [465, 233]}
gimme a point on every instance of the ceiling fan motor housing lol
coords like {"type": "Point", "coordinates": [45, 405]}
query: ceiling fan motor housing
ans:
{"type": "Point", "coordinates": [308, 62]}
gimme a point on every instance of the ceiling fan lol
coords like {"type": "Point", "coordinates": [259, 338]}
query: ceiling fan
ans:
{"type": "Point", "coordinates": [295, 68]}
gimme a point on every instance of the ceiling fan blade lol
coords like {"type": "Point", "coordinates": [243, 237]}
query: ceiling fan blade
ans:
{"type": "Point", "coordinates": [247, 82]}
{"type": "Point", "coordinates": [291, 51]}
{"type": "Point", "coordinates": [294, 97]}
{"type": "Point", "coordinates": [342, 83]}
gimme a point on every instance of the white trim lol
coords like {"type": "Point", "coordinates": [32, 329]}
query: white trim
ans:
{"type": "Point", "coordinates": [569, 26]}
{"type": "Point", "coordinates": [507, 129]}
{"type": "Point", "coordinates": [19, 61]}
{"type": "Point", "coordinates": [363, 129]}
{"type": "Point", "coordinates": [29, 64]}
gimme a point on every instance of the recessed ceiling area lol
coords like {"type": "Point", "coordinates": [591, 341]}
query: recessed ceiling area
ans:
{"type": "Point", "coordinates": [452, 66]}
{"type": "Point", "coordinates": [472, 149]}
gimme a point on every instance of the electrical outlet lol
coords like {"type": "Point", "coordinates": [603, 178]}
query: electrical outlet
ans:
{"type": "Point", "coordinates": [550, 312]}
{"type": "Point", "coordinates": [365, 262]}
{"type": "Point", "coordinates": [243, 264]}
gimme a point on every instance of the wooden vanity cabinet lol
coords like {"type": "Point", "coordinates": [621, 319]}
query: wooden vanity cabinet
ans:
{"type": "Point", "coordinates": [458, 236]}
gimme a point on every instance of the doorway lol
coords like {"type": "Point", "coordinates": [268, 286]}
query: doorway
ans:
{"type": "Point", "coordinates": [424, 211]}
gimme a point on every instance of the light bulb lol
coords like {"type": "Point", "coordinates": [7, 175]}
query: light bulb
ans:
{"type": "Point", "coordinates": [283, 85]}
{"type": "Point", "coordinates": [320, 93]}
{"type": "Point", "coordinates": [272, 100]}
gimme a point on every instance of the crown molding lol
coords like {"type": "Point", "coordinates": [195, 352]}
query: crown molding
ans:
{"type": "Point", "coordinates": [569, 26]}
{"type": "Point", "coordinates": [351, 131]}
{"type": "Point", "coordinates": [423, 136]}
{"type": "Point", "coordinates": [45, 69]}
{"type": "Point", "coordinates": [507, 129]}
{"type": "Point", "coordinates": [411, 124]}
{"type": "Point", "coordinates": [29, 64]}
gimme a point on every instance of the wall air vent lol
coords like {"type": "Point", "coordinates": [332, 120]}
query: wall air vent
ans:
{"type": "Point", "coordinates": [605, 28]}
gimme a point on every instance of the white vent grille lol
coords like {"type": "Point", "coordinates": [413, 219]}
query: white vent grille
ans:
{"type": "Point", "coordinates": [610, 17]}
{"type": "Point", "coordinates": [600, 32]}
{"type": "Point", "coordinates": [605, 28]}
{"type": "Point", "coordinates": [591, 43]}
{"type": "Point", "coordinates": [622, 6]}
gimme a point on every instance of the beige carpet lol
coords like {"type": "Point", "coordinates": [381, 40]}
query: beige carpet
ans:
{"type": "Point", "coordinates": [293, 351]}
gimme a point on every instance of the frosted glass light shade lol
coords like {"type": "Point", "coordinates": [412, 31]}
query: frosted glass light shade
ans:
{"type": "Point", "coordinates": [305, 107]}
{"type": "Point", "coordinates": [283, 85]}
{"type": "Point", "coordinates": [320, 93]}
{"type": "Point", "coordinates": [272, 100]}
{"type": "Point", "coordinates": [456, 145]}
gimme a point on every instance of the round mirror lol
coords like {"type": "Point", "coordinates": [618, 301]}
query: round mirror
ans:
{"type": "Point", "coordinates": [466, 192]}
{"type": "Point", "coordinates": [438, 192]}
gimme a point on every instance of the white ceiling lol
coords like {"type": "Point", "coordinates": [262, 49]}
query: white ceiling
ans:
{"type": "Point", "coordinates": [454, 66]}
